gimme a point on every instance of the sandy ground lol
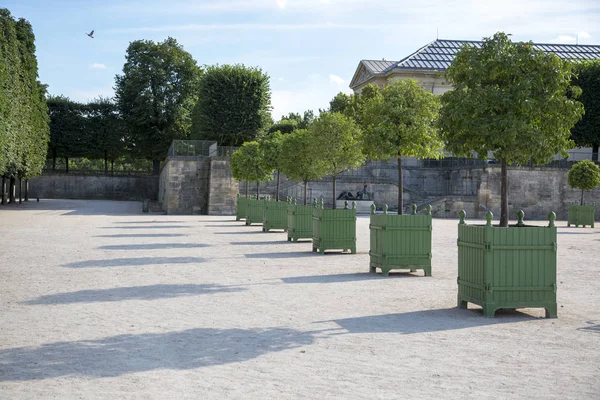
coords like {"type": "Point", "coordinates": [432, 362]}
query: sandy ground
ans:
{"type": "Point", "coordinates": [100, 301]}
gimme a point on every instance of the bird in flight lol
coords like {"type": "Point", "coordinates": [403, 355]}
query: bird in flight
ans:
{"type": "Point", "coordinates": [91, 34]}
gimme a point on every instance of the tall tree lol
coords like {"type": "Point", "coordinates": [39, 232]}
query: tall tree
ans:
{"type": "Point", "coordinates": [271, 155]}
{"type": "Point", "coordinates": [338, 145]}
{"type": "Point", "coordinates": [300, 159]}
{"type": "Point", "coordinates": [234, 105]}
{"type": "Point", "coordinates": [106, 130]}
{"type": "Point", "coordinates": [68, 136]}
{"type": "Point", "coordinates": [156, 94]}
{"type": "Point", "coordinates": [509, 99]}
{"type": "Point", "coordinates": [247, 165]}
{"type": "Point", "coordinates": [586, 132]}
{"type": "Point", "coordinates": [401, 121]}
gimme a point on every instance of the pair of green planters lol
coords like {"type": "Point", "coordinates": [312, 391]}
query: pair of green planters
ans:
{"type": "Point", "coordinates": [581, 215]}
{"type": "Point", "coordinates": [271, 214]}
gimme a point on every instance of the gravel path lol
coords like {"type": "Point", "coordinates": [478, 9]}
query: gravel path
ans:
{"type": "Point", "coordinates": [100, 301]}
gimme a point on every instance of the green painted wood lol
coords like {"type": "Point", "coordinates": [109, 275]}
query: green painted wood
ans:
{"type": "Point", "coordinates": [400, 241]}
{"type": "Point", "coordinates": [299, 221]}
{"type": "Point", "coordinates": [241, 208]}
{"type": "Point", "coordinates": [333, 229]}
{"type": "Point", "coordinates": [255, 211]}
{"type": "Point", "coordinates": [581, 215]}
{"type": "Point", "coordinates": [512, 267]}
{"type": "Point", "coordinates": [275, 215]}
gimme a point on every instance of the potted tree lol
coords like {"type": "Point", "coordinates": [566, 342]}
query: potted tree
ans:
{"type": "Point", "coordinates": [246, 165]}
{"type": "Point", "coordinates": [513, 101]}
{"type": "Point", "coordinates": [584, 175]}
{"type": "Point", "coordinates": [337, 144]}
{"type": "Point", "coordinates": [400, 120]}
{"type": "Point", "coordinates": [300, 162]}
{"type": "Point", "coordinates": [275, 215]}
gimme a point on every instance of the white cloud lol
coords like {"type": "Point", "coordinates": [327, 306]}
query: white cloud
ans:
{"type": "Point", "coordinates": [336, 79]}
{"type": "Point", "coordinates": [280, 3]}
{"type": "Point", "coordinates": [97, 66]}
{"type": "Point", "coordinates": [91, 94]}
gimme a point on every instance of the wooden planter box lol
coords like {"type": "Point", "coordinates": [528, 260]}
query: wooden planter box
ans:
{"type": "Point", "coordinates": [241, 208]}
{"type": "Point", "coordinates": [254, 211]}
{"type": "Point", "coordinates": [275, 215]}
{"type": "Point", "coordinates": [581, 215]}
{"type": "Point", "coordinates": [299, 220]}
{"type": "Point", "coordinates": [334, 229]}
{"type": "Point", "coordinates": [512, 267]}
{"type": "Point", "coordinates": [400, 241]}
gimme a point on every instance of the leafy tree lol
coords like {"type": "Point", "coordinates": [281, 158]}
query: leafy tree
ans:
{"type": "Point", "coordinates": [234, 103]}
{"type": "Point", "coordinates": [509, 99]}
{"type": "Point", "coordinates": [299, 158]}
{"type": "Point", "coordinates": [340, 102]}
{"type": "Point", "coordinates": [400, 120]}
{"type": "Point", "coordinates": [584, 175]}
{"type": "Point", "coordinates": [271, 154]}
{"type": "Point", "coordinates": [337, 143]}
{"type": "Point", "coordinates": [67, 130]}
{"type": "Point", "coordinates": [246, 165]}
{"type": "Point", "coordinates": [105, 129]}
{"type": "Point", "coordinates": [293, 121]}
{"type": "Point", "coordinates": [586, 132]}
{"type": "Point", "coordinates": [155, 95]}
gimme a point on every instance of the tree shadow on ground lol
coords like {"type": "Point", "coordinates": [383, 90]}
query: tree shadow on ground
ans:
{"type": "Point", "coordinates": [151, 222]}
{"type": "Point", "coordinates": [141, 235]}
{"type": "Point", "coordinates": [151, 292]}
{"type": "Point", "coordinates": [294, 254]}
{"type": "Point", "coordinates": [153, 246]}
{"type": "Point", "coordinates": [222, 226]}
{"type": "Point", "coordinates": [592, 327]}
{"type": "Point", "coordinates": [124, 354]}
{"type": "Point", "coordinates": [428, 321]}
{"type": "Point", "coordinates": [240, 233]}
{"type": "Point", "coordinates": [78, 207]}
{"type": "Point", "coordinates": [146, 227]}
{"type": "Point", "coordinates": [338, 278]}
{"type": "Point", "coordinates": [260, 243]}
{"type": "Point", "coordinates": [578, 233]}
{"type": "Point", "coordinates": [130, 262]}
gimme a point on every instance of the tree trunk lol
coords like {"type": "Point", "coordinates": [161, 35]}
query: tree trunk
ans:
{"type": "Point", "coordinates": [3, 189]}
{"type": "Point", "coordinates": [400, 187]}
{"type": "Point", "coordinates": [305, 191]}
{"type": "Point", "coordinates": [257, 194]}
{"type": "Point", "coordinates": [581, 202]}
{"type": "Point", "coordinates": [20, 191]}
{"type": "Point", "coordinates": [112, 167]}
{"type": "Point", "coordinates": [11, 191]}
{"type": "Point", "coordinates": [277, 198]}
{"type": "Point", "coordinates": [504, 195]}
{"type": "Point", "coordinates": [105, 163]}
{"type": "Point", "coordinates": [595, 153]}
{"type": "Point", "coordinates": [26, 189]}
{"type": "Point", "coordinates": [155, 167]}
{"type": "Point", "coordinates": [334, 189]}
{"type": "Point", "coordinates": [67, 164]}
{"type": "Point", "coordinates": [53, 159]}
{"type": "Point", "coordinates": [246, 189]}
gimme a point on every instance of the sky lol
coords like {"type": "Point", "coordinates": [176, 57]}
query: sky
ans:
{"type": "Point", "coordinates": [309, 48]}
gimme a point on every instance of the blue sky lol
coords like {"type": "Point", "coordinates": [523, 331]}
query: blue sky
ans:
{"type": "Point", "coordinates": [309, 48]}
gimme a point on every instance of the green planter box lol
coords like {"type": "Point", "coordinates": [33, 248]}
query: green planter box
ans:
{"type": "Point", "coordinates": [275, 215]}
{"type": "Point", "coordinates": [512, 267]}
{"type": "Point", "coordinates": [581, 215]}
{"type": "Point", "coordinates": [255, 211]}
{"type": "Point", "coordinates": [241, 208]}
{"type": "Point", "coordinates": [299, 219]}
{"type": "Point", "coordinates": [400, 241]}
{"type": "Point", "coordinates": [334, 229]}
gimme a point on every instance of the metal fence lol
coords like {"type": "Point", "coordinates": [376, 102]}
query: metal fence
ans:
{"type": "Point", "coordinates": [198, 148]}
{"type": "Point", "coordinates": [85, 166]}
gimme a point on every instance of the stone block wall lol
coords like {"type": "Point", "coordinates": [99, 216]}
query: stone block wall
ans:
{"type": "Point", "coordinates": [223, 188]}
{"type": "Point", "coordinates": [184, 185]}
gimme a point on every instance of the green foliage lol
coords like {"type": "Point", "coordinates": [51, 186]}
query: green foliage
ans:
{"type": "Point", "coordinates": [67, 128]}
{"type": "Point", "coordinates": [23, 113]}
{"type": "Point", "coordinates": [584, 175]}
{"type": "Point", "coordinates": [586, 132]}
{"type": "Point", "coordinates": [105, 129]}
{"type": "Point", "coordinates": [509, 99]}
{"type": "Point", "coordinates": [271, 151]}
{"type": "Point", "coordinates": [299, 156]}
{"type": "Point", "coordinates": [292, 121]}
{"type": "Point", "coordinates": [337, 143]}
{"type": "Point", "coordinates": [400, 120]}
{"type": "Point", "coordinates": [247, 165]}
{"type": "Point", "coordinates": [340, 102]}
{"type": "Point", "coordinates": [234, 103]}
{"type": "Point", "coordinates": [155, 95]}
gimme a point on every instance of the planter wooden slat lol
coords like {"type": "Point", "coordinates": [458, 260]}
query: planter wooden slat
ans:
{"type": "Point", "coordinates": [299, 221]}
{"type": "Point", "coordinates": [254, 211]}
{"type": "Point", "coordinates": [275, 215]}
{"type": "Point", "coordinates": [400, 241]}
{"type": "Point", "coordinates": [581, 215]}
{"type": "Point", "coordinates": [241, 208]}
{"type": "Point", "coordinates": [512, 267]}
{"type": "Point", "coordinates": [333, 229]}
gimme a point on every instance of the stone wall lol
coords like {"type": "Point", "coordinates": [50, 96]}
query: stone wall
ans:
{"type": "Point", "coordinates": [66, 186]}
{"type": "Point", "coordinates": [223, 188]}
{"type": "Point", "coordinates": [183, 187]}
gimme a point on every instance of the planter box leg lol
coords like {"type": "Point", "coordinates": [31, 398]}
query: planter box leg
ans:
{"type": "Point", "coordinates": [385, 271]}
{"type": "Point", "coordinates": [314, 249]}
{"type": "Point", "coordinates": [489, 310]}
{"type": "Point", "coordinates": [551, 311]}
{"type": "Point", "coordinates": [322, 251]}
{"type": "Point", "coordinates": [462, 304]}
{"type": "Point", "coordinates": [372, 270]}
{"type": "Point", "coordinates": [353, 250]}
{"type": "Point", "coordinates": [427, 271]}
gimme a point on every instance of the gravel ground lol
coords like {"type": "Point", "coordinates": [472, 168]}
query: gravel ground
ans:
{"type": "Point", "coordinates": [100, 301]}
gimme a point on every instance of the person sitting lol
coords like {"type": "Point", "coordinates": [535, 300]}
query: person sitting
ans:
{"type": "Point", "coordinates": [363, 194]}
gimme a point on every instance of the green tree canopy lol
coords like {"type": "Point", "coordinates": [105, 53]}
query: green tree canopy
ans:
{"type": "Point", "coordinates": [299, 158]}
{"type": "Point", "coordinates": [337, 143]}
{"type": "Point", "coordinates": [400, 120]}
{"type": "Point", "coordinates": [271, 154]}
{"type": "Point", "coordinates": [234, 105]}
{"type": "Point", "coordinates": [511, 100]}
{"type": "Point", "coordinates": [247, 165]}
{"type": "Point", "coordinates": [586, 132]}
{"type": "Point", "coordinates": [155, 95]}
{"type": "Point", "coordinates": [105, 129]}
{"type": "Point", "coordinates": [68, 136]}
{"type": "Point", "coordinates": [584, 175]}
